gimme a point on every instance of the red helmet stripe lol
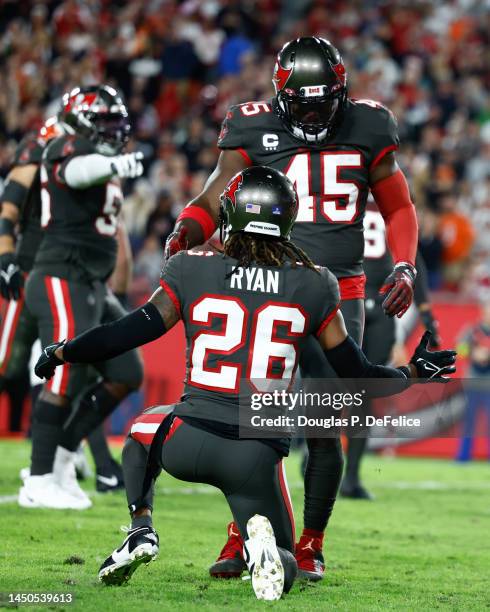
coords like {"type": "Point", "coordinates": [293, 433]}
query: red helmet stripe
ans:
{"type": "Point", "coordinates": [339, 70]}
{"type": "Point", "coordinates": [232, 188]}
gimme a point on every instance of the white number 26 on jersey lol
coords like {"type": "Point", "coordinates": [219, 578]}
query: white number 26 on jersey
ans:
{"type": "Point", "coordinates": [265, 351]}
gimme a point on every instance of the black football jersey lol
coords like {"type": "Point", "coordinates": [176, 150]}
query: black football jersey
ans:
{"type": "Point", "coordinates": [331, 179]}
{"type": "Point", "coordinates": [243, 327]}
{"type": "Point", "coordinates": [378, 263]}
{"type": "Point", "coordinates": [80, 225]}
{"type": "Point", "coordinates": [29, 151]}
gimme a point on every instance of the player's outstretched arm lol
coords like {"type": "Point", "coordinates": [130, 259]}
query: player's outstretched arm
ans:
{"type": "Point", "coordinates": [17, 187]}
{"type": "Point", "coordinates": [199, 219]}
{"type": "Point", "coordinates": [390, 190]}
{"type": "Point", "coordinates": [348, 360]}
{"type": "Point", "coordinates": [104, 342]}
{"type": "Point", "coordinates": [83, 171]}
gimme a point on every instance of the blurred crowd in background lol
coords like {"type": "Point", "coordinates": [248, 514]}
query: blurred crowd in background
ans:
{"type": "Point", "coordinates": [181, 64]}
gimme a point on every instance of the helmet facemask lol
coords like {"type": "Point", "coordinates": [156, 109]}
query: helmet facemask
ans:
{"type": "Point", "coordinates": [111, 132]}
{"type": "Point", "coordinates": [310, 119]}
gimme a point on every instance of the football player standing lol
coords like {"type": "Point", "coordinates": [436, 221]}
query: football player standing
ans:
{"type": "Point", "coordinates": [20, 237]}
{"type": "Point", "coordinates": [66, 289]}
{"type": "Point", "coordinates": [334, 149]}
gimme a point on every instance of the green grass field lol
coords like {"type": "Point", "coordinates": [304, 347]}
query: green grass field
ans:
{"type": "Point", "coordinates": [424, 544]}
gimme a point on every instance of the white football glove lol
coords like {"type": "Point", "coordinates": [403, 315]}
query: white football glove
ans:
{"type": "Point", "coordinates": [128, 165]}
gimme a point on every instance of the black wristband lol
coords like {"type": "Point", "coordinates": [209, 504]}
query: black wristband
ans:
{"type": "Point", "coordinates": [112, 339]}
{"type": "Point", "coordinates": [15, 193]}
{"type": "Point", "coordinates": [6, 227]}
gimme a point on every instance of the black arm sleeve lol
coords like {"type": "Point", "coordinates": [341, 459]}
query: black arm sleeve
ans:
{"type": "Point", "coordinates": [421, 291]}
{"type": "Point", "coordinates": [348, 361]}
{"type": "Point", "coordinates": [113, 339]}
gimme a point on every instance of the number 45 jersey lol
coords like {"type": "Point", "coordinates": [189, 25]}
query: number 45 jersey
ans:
{"type": "Point", "coordinates": [332, 180]}
{"type": "Point", "coordinates": [79, 225]}
{"type": "Point", "coordinates": [243, 326]}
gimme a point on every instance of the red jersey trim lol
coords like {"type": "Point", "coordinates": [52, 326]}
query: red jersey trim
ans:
{"type": "Point", "coordinates": [171, 294]}
{"type": "Point", "coordinates": [327, 321]}
{"type": "Point", "coordinates": [352, 287]}
{"type": "Point", "coordinates": [176, 423]}
{"type": "Point", "coordinates": [245, 156]}
{"type": "Point", "coordinates": [381, 154]}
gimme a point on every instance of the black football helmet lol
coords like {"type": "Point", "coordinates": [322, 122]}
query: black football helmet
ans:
{"type": "Point", "coordinates": [98, 113]}
{"type": "Point", "coordinates": [259, 200]}
{"type": "Point", "coordinates": [311, 87]}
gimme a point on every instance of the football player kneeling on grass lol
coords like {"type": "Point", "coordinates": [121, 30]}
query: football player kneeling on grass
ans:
{"type": "Point", "coordinates": [224, 314]}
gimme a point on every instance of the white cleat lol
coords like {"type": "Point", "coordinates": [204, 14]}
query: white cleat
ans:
{"type": "Point", "coordinates": [43, 492]}
{"type": "Point", "coordinates": [64, 475]}
{"type": "Point", "coordinates": [263, 560]}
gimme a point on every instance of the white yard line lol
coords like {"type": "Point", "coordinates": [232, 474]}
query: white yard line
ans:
{"type": "Point", "coordinates": [423, 485]}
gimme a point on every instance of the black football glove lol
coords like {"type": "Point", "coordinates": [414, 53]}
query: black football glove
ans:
{"type": "Point", "coordinates": [177, 241]}
{"type": "Point", "coordinates": [398, 289]}
{"type": "Point", "coordinates": [432, 326]}
{"type": "Point", "coordinates": [431, 365]}
{"type": "Point", "coordinates": [11, 277]}
{"type": "Point", "coordinates": [47, 362]}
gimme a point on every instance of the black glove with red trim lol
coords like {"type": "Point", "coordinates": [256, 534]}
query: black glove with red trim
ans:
{"type": "Point", "coordinates": [177, 241]}
{"type": "Point", "coordinates": [398, 289]}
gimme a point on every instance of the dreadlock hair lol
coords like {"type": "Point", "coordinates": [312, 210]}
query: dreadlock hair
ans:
{"type": "Point", "coordinates": [265, 251]}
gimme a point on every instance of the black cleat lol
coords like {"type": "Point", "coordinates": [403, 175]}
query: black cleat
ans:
{"type": "Point", "coordinates": [109, 478]}
{"type": "Point", "coordinates": [140, 546]}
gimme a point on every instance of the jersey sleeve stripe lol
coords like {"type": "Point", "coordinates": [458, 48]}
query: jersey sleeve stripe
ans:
{"type": "Point", "coordinates": [245, 156]}
{"type": "Point", "coordinates": [327, 321]}
{"type": "Point", "coordinates": [381, 154]}
{"type": "Point", "coordinates": [171, 294]}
